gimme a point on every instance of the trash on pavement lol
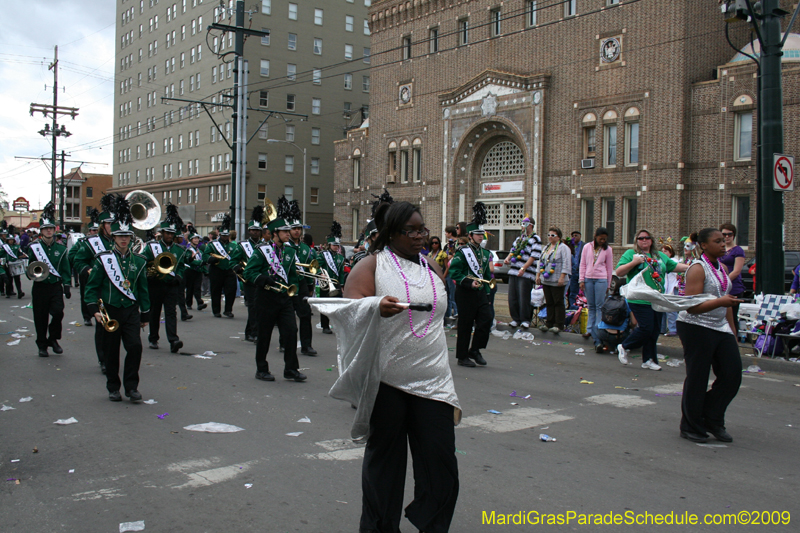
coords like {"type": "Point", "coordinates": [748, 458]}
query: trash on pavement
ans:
{"type": "Point", "coordinates": [35, 449]}
{"type": "Point", "coordinates": [131, 526]}
{"type": "Point", "coordinates": [209, 352]}
{"type": "Point", "coordinates": [294, 434]}
{"type": "Point", "coordinates": [753, 369]}
{"type": "Point", "coordinates": [494, 412]}
{"type": "Point", "coordinates": [214, 427]}
{"type": "Point", "coordinates": [150, 402]}
{"type": "Point", "coordinates": [675, 362]}
{"type": "Point", "coordinates": [580, 350]}
{"type": "Point", "coordinates": [6, 408]}
{"type": "Point", "coordinates": [586, 382]}
{"type": "Point", "coordinates": [305, 420]}
{"type": "Point", "coordinates": [14, 460]}
{"type": "Point", "coordinates": [626, 388]}
{"type": "Point", "coordinates": [66, 421]}
{"type": "Point", "coordinates": [514, 403]}
{"type": "Point", "coordinates": [27, 399]}
{"type": "Point", "coordinates": [162, 417]}
{"type": "Point", "coordinates": [248, 485]}
{"type": "Point", "coordinates": [72, 471]}
{"type": "Point", "coordinates": [201, 356]}
{"type": "Point", "coordinates": [13, 343]}
{"type": "Point", "coordinates": [546, 438]}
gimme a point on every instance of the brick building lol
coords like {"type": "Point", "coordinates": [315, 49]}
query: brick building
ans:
{"type": "Point", "coordinates": [627, 114]}
{"type": "Point", "coordinates": [82, 192]}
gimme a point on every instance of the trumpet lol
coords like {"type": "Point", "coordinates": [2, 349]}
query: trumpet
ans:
{"type": "Point", "coordinates": [491, 282]}
{"type": "Point", "coordinates": [291, 290]}
{"type": "Point", "coordinates": [238, 275]}
{"type": "Point", "coordinates": [37, 271]}
{"type": "Point", "coordinates": [164, 264]}
{"type": "Point", "coordinates": [108, 323]}
{"type": "Point", "coordinates": [312, 267]}
{"type": "Point", "coordinates": [220, 257]}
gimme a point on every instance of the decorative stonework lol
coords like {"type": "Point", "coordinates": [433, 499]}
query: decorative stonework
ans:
{"type": "Point", "coordinates": [489, 105]}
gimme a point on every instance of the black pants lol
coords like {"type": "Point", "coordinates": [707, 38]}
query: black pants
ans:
{"type": "Point", "coordinates": [251, 328]}
{"type": "Point", "coordinates": [9, 287]}
{"type": "Point", "coordinates": [705, 349]}
{"type": "Point", "coordinates": [166, 296]}
{"type": "Point", "coordinates": [194, 283]}
{"type": "Point", "coordinates": [222, 281]}
{"type": "Point", "coordinates": [48, 301]}
{"type": "Point", "coordinates": [519, 298]}
{"type": "Point", "coordinates": [303, 311]}
{"type": "Point", "coordinates": [554, 303]}
{"type": "Point", "coordinates": [400, 420]}
{"type": "Point", "coordinates": [473, 308]}
{"type": "Point", "coordinates": [99, 341]}
{"type": "Point", "coordinates": [275, 308]}
{"type": "Point", "coordinates": [181, 301]}
{"type": "Point", "coordinates": [128, 333]}
{"type": "Point", "coordinates": [646, 332]}
{"type": "Point", "coordinates": [83, 277]}
{"type": "Point", "coordinates": [324, 321]}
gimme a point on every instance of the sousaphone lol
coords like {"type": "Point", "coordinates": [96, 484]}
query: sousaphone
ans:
{"type": "Point", "coordinates": [145, 209]}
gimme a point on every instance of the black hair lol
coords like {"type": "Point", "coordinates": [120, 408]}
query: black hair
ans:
{"type": "Point", "coordinates": [390, 219]}
{"type": "Point", "coordinates": [730, 227]}
{"type": "Point", "coordinates": [435, 238]}
{"type": "Point", "coordinates": [704, 235]}
{"type": "Point", "coordinates": [600, 231]}
{"type": "Point", "coordinates": [308, 239]}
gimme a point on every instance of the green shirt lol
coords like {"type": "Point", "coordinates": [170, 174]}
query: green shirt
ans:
{"type": "Point", "coordinates": [665, 265]}
{"type": "Point", "coordinates": [338, 259]}
{"type": "Point", "coordinates": [57, 253]}
{"type": "Point", "coordinates": [194, 261]}
{"type": "Point", "coordinates": [258, 266]}
{"type": "Point", "coordinates": [99, 286]}
{"type": "Point", "coordinates": [81, 255]}
{"type": "Point", "coordinates": [459, 266]}
{"type": "Point", "coordinates": [176, 249]}
{"type": "Point", "coordinates": [224, 264]}
{"type": "Point", "coordinates": [5, 257]}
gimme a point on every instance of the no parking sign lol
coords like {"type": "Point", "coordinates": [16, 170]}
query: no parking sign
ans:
{"type": "Point", "coordinates": [783, 173]}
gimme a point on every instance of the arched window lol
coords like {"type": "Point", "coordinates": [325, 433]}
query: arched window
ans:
{"type": "Point", "coordinates": [503, 159]}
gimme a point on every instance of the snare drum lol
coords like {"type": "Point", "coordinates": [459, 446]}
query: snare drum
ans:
{"type": "Point", "coordinates": [17, 268]}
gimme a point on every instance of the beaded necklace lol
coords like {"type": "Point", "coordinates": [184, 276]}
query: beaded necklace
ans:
{"type": "Point", "coordinates": [655, 267]}
{"type": "Point", "coordinates": [723, 278]}
{"type": "Point", "coordinates": [425, 267]}
{"type": "Point", "coordinates": [552, 269]}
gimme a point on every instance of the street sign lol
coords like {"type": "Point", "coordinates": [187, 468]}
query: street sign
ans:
{"type": "Point", "coordinates": [21, 204]}
{"type": "Point", "coordinates": [783, 172]}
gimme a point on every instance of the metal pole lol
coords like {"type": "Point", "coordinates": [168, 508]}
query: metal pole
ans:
{"type": "Point", "coordinates": [304, 187]}
{"type": "Point", "coordinates": [62, 203]}
{"type": "Point", "coordinates": [242, 204]}
{"type": "Point", "coordinates": [238, 52]}
{"type": "Point", "coordinates": [54, 66]}
{"type": "Point", "coordinates": [770, 272]}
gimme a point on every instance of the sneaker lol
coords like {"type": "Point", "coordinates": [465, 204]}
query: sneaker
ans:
{"type": "Point", "coordinates": [598, 348]}
{"type": "Point", "coordinates": [651, 365]}
{"type": "Point", "coordinates": [526, 325]}
{"type": "Point", "coordinates": [543, 328]}
{"type": "Point", "coordinates": [622, 355]}
{"type": "Point", "coordinates": [513, 323]}
{"type": "Point", "coordinates": [554, 330]}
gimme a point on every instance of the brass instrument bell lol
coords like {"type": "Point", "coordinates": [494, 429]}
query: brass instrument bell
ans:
{"type": "Point", "coordinates": [312, 267]}
{"type": "Point", "coordinates": [491, 282]}
{"type": "Point", "coordinates": [108, 323]}
{"type": "Point", "coordinates": [145, 209]}
{"type": "Point", "coordinates": [37, 271]}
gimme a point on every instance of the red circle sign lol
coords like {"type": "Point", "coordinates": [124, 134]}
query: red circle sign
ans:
{"type": "Point", "coordinates": [783, 173]}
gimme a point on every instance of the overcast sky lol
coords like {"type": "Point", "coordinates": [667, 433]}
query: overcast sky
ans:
{"type": "Point", "coordinates": [84, 31]}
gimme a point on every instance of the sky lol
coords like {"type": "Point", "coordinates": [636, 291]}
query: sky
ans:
{"type": "Point", "coordinates": [84, 31]}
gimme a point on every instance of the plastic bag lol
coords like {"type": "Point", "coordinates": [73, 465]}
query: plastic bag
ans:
{"type": "Point", "coordinates": [537, 297]}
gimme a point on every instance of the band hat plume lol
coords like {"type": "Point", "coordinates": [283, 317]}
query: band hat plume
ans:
{"type": "Point", "coordinates": [336, 233]}
{"type": "Point", "coordinates": [48, 218]}
{"type": "Point", "coordinates": [93, 222]}
{"type": "Point", "coordinates": [123, 220]}
{"type": "Point", "coordinates": [256, 217]}
{"type": "Point", "coordinates": [172, 222]}
{"type": "Point", "coordinates": [106, 209]}
{"type": "Point", "coordinates": [295, 215]}
{"type": "Point", "coordinates": [478, 218]}
{"type": "Point", "coordinates": [225, 227]}
{"type": "Point", "coordinates": [384, 198]}
{"type": "Point", "coordinates": [280, 222]}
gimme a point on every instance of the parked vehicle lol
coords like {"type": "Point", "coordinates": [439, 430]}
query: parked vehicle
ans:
{"type": "Point", "coordinates": [791, 258]}
{"type": "Point", "coordinates": [500, 270]}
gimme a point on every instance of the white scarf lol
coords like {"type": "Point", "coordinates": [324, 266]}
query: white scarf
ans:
{"type": "Point", "coordinates": [247, 247]}
{"type": "Point", "coordinates": [274, 262]}
{"type": "Point", "coordinates": [96, 243]}
{"type": "Point", "coordinates": [221, 249]}
{"type": "Point", "coordinates": [41, 255]}
{"type": "Point", "coordinates": [10, 252]}
{"type": "Point", "coordinates": [114, 272]}
{"type": "Point", "coordinates": [331, 262]}
{"type": "Point", "coordinates": [472, 261]}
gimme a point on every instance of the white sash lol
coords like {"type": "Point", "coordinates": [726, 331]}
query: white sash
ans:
{"type": "Point", "coordinates": [472, 261]}
{"type": "Point", "coordinates": [96, 243]}
{"type": "Point", "coordinates": [248, 248]}
{"type": "Point", "coordinates": [41, 255]}
{"type": "Point", "coordinates": [114, 272]}
{"type": "Point", "coordinates": [10, 253]}
{"type": "Point", "coordinates": [194, 251]}
{"type": "Point", "coordinates": [220, 249]}
{"type": "Point", "coordinates": [274, 262]}
{"type": "Point", "coordinates": [331, 262]}
{"type": "Point", "coordinates": [157, 250]}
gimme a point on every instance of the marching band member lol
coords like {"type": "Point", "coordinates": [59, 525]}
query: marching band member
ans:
{"type": "Point", "coordinates": [119, 280]}
{"type": "Point", "coordinates": [48, 294]}
{"type": "Point", "coordinates": [195, 268]}
{"type": "Point", "coordinates": [469, 266]}
{"type": "Point", "coordinates": [82, 257]}
{"type": "Point", "coordinates": [165, 289]}
{"type": "Point", "coordinates": [333, 263]}
{"type": "Point", "coordinates": [306, 285]}
{"type": "Point", "coordinates": [217, 254]}
{"type": "Point", "coordinates": [10, 253]}
{"type": "Point", "coordinates": [240, 257]}
{"type": "Point", "coordinates": [271, 269]}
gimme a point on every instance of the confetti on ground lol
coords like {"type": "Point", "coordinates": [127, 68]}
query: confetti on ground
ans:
{"type": "Point", "coordinates": [6, 408]}
{"type": "Point", "coordinates": [150, 402]}
{"type": "Point", "coordinates": [72, 471]}
{"type": "Point", "coordinates": [586, 382]}
{"type": "Point", "coordinates": [162, 417]}
{"type": "Point", "coordinates": [13, 343]}
{"type": "Point", "coordinates": [294, 434]}
{"type": "Point", "coordinates": [494, 412]}
{"type": "Point", "coordinates": [248, 485]}
{"type": "Point", "coordinates": [66, 421]}
{"type": "Point", "coordinates": [182, 388]}
{"type": "Point", "coordinates": [461, 452]}
{"type": "Point", "coordinates": [27, 399]}
{"type": "Point", "coordinates": [305, 420]}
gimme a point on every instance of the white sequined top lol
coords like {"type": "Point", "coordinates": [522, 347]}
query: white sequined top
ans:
{"type": "Point", "coordinates": [416, 366]}
{"type": "Point", "coordinates": [717, 318]}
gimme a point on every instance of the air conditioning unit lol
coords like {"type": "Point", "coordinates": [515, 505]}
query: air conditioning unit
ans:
{"type": "Point", "coordinates": [390, 178]}
{"type": "Point", "coordinates": [587, 163]}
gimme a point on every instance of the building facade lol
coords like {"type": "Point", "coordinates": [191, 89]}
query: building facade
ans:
{"type": "Point", "coordinates": [627, 114]}
{"type": "Point", "coordinates": [314, 62]}
{"type": "Point", "coordinates": [82, 193]}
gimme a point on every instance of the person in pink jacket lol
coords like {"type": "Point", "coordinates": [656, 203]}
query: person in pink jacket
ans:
{"type": "Point", "coordinates": [597, 266]}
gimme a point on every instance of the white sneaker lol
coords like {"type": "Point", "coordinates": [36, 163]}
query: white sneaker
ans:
{"type": "Point", "coordinates": [526, 325]}
{"type": "Point", "coordinates": [622, 354]}
{"type": "Point", "coordinates": [513, 323]}
{"type": "Point", "coordinates": [651, 365]}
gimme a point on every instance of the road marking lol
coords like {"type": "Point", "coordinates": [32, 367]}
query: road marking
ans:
{"type": "Point", "coordinates": [667, 389]}
{"type": "Point", "coordinates": [518, 419]}
{"type": "Point", "coordinates": [205, 478]}
{"type": "Point", "coordinates": [24, 318]}
{"type": "Point", "coordinates": [96, 495]}
{"type": "Point", "coordinates": [762, 378]}
{"type": "Point", "coordinates": [338, 450]}
{"type": "Point", "coordinates": [619, 400]}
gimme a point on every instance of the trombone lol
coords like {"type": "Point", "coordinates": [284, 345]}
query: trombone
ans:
{"type": "Point", "coordinates": [312, 267]}
{"type": "Point", "coordinates": [108, 323]}
{"type": "Point", "coordinates": [491, 282]}
{"type": "Point", "coordinates": [324, 279]}
{"type": "Point", "coordinates": [37, 271]}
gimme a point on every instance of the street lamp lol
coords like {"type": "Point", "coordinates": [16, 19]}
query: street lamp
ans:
{"type": "Point", "coordinates": [273, 141]}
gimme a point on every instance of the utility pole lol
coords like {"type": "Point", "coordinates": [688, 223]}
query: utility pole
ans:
{"type": "Point", "coordinates": [61, 202]}
{"type": "Point", "coordinates": [765, 17]}
{"type": "Point", "coordinates": [56, 132]}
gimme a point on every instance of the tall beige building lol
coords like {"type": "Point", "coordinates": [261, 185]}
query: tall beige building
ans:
{"type": "Point", "coordinates": [314, 62]}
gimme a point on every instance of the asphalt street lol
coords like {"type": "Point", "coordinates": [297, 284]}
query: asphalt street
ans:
{"type": "Point", "coordinates": [617, 446]}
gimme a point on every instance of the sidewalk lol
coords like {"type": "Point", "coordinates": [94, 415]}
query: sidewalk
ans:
{"type": "Point", "coordinates": [669, 346]}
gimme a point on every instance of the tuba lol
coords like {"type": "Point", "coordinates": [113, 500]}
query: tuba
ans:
{"type": "Point", "coordinates": [145, 209]}
{"type": "Point", "coordinates": [37, 271]}
{"type": "Point", "coordinates": [270, 212]}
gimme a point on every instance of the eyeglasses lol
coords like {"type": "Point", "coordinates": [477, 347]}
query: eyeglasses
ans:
{"type": "Point", "coordinates": [727, 234]}
{"type": "Point", "coordinates": [414, 233]}
{"type": "Point", "coordinates": [435, 242]}
{"type": "Point", "coordinates": [644, 238]}
{"type": "Point", "coordinates": [551, 235]}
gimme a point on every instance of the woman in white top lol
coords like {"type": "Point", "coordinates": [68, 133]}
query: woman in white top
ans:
{"type": "Point", "coordinates": [555, 267]}
{"type": "Point", "coordinates": [416, 403]}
